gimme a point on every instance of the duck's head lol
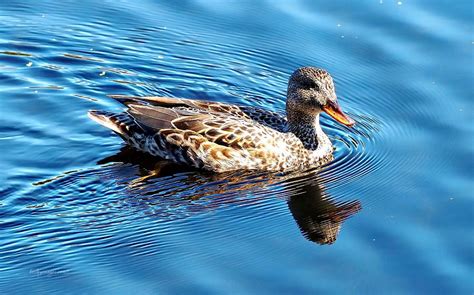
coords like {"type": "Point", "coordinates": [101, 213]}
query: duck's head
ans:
{"type": "Point", "coordinates": [310, 91]}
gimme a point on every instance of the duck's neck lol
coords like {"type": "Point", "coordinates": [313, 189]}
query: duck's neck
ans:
{"type": "Point", "coordinates": [306, 127]}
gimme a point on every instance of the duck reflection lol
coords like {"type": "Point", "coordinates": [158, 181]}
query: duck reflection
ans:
{"type": "Point", "coordinates": [318, 216]}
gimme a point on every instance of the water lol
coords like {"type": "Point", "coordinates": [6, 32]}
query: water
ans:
{"type": "Point", "coordinates": [393, 213]}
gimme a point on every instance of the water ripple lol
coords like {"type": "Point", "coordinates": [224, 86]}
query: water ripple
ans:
{"type": "Point", "coordinates": [75, 203]}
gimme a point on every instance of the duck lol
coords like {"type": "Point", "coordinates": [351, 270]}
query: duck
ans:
{"type": "Point", "coordinates": [222, 137]}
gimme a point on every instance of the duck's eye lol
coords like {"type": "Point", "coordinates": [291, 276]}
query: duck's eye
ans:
{"type": "Point", "coordinates": [310, 84]}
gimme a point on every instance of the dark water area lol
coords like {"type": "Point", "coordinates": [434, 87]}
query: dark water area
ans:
{"type": "Point", "coordinates": [392, 214]}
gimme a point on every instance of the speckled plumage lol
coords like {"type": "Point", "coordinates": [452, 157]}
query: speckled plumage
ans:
{"type": "Point", "coordinates": [221, 137]}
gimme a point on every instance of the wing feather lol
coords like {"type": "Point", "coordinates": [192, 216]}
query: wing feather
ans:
{"type": "Point", "coordinates": [265, 117]}
{"type": "Point", "coordinates": [171, 102]}
{"type": "Point", "coordinates": [219, 126]}
{"type": "Point", "coordinates": [154, 118]}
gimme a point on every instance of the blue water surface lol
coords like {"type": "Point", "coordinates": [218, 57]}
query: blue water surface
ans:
{"type": "Point", "coordinates": [82, 214]}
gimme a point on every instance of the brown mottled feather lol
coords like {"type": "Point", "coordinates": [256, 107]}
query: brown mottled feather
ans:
{"type": "Point", "coordinates": [194, 123]}
{"type": "Point", "coordinates": [203, 133]}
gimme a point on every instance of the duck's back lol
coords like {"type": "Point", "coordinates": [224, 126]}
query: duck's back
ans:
{"type": "Point", "coordinates": [213, 136]}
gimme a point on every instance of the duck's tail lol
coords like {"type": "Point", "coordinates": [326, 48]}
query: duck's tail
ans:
{"type": "Point", "coordinates": [121, 123]}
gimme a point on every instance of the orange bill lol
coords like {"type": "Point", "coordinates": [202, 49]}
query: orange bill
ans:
{"type": "Point", "coordinates": [334, 110]}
